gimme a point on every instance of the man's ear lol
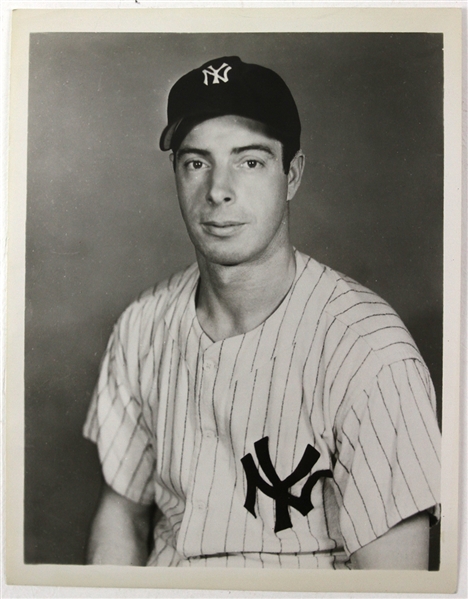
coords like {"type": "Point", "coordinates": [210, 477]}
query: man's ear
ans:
{"type": "Point", "coordinates": [296, 169]}
{"type": "Point", "coordinates": [172, 158]}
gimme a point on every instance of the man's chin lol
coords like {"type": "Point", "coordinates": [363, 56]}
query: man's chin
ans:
{"type": "Point", "coordinates": [227, 261]}
{"type": "Point", "coordinates": [226, 257]}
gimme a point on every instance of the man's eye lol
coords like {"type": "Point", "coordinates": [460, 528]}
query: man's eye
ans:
{"type": "Point", "coordinates": [251, 163]}
{"type": "Point", "coordinates": [195, 165]}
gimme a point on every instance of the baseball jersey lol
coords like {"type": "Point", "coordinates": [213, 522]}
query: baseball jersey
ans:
{"type": "Point", "coordinates": [292, 445]}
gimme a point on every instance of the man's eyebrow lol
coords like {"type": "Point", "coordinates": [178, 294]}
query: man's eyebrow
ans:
{"type": "Point", "coordinates": [260, 147]}
{"type": "Point", "coordinates": [191, 150]}
{"type": "Point", "coordinates": [239, 150]}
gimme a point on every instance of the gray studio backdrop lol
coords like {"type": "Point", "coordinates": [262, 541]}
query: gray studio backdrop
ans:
{"type": "Point", "coordinates": [103, 221]}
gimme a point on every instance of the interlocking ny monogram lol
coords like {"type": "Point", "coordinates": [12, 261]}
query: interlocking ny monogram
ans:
{"type": "Point", "coordinates": [215, 73]}
{"type": "Point", "coordinates": [278, 490]}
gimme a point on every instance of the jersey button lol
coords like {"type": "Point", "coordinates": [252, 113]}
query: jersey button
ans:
{"type": "Point", "coordinates": [200, 505]}
{"type": "Point", "coordinates": [210, 434]}
{"type": "Point", "coordinates": [209, 365]}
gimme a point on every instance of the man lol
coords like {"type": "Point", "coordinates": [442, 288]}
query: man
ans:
{"type": "Point", "coordinates": [276, 412]}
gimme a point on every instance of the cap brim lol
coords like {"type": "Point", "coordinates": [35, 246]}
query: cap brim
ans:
{"type": "Point", "coordinates": [166, 136]}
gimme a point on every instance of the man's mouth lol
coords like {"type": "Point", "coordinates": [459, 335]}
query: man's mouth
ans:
{"type": "Point", "coordinates": [222, 228]}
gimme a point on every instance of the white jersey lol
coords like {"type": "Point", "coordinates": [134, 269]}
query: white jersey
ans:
{"type": "Point", "coordinates": [292, 445]}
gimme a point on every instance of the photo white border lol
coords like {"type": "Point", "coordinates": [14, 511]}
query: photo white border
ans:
{"type": "Point", "coordinates": [446, 21]}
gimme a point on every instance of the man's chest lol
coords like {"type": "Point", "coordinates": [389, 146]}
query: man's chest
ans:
{"type": "Point", "coordinates": [213, 403]}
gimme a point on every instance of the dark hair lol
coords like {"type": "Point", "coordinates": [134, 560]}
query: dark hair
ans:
{"type": "Point", "coordinates": [289, 147]}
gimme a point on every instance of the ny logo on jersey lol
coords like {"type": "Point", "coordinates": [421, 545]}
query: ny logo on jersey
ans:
{"type": "Point", "coordinates": [279, 489]}
{"type": "Point", "coordinates": [216, 74]}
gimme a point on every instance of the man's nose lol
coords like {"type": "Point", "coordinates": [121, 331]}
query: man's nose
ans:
{"type": "Point", "coordinates": [220, 187]}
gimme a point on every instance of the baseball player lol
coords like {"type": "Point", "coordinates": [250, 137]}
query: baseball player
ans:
{"type": "Point", "coordinates": [258, 409]}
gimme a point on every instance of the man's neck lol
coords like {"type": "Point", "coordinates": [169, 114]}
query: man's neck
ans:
{"type": "Point", "coordinates": [233, 300]}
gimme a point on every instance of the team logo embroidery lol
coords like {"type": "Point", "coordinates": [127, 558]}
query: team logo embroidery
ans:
{"type": "Point", "coordinates": [279, 489]}
{"type": "Point", "coordinates": [218, 75]}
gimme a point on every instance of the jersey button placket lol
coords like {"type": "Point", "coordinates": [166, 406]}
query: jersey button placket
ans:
{"type": "Point", "coordinates": [207, 447]}
{"type": "Point", "coordinates": [209, 366]}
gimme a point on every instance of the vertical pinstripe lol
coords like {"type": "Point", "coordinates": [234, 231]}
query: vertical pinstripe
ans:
{"type": "Point", "coordinates": [173, 414]}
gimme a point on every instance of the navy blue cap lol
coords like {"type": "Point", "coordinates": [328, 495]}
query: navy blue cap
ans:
{"type": "Point", "coordinates": [227, 85]}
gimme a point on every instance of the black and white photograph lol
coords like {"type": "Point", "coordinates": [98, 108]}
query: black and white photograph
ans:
{"type": "Point", "coordinates": [234, 300]}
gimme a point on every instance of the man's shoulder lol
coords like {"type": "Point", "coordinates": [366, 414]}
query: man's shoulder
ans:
{"type": "Point", "coordinates": [343, 293]}
{"type": "Point", "coordinates": [158, 299]}
{"type": "Point", "coordinates": [171, 287]}
{"type": "Point", "coordinates": [364, 314]}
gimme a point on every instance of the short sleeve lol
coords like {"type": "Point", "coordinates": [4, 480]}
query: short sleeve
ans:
{"type": "Point", "coordinates": [388, 453]}
{"type": "Point", "coordinates": [116, 419]}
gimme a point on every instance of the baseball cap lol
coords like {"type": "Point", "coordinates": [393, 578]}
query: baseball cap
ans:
{"type": "Point", "coordinates": [227, 85]}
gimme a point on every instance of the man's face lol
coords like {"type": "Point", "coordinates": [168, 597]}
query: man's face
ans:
{"type": "Point", "coordinates": [232, 190]}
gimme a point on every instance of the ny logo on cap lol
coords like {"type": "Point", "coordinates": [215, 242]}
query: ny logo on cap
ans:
{"type": "Point", "coordinates": [216, 74]}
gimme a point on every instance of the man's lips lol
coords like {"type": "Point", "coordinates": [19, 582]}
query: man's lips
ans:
{"type": "Point", "coordinates": [222, 223]}
{"type": "Point", "coordinates": [222, 228]}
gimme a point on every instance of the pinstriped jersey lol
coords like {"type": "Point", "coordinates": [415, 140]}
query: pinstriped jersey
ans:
{"type": "Point", "coordinates": [328, 402]}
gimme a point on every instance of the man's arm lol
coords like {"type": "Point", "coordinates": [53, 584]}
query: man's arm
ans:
{"type": "Point", "coordinates": [403, 547]}
{"type": "Point", "coordinates": [119, 533]}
